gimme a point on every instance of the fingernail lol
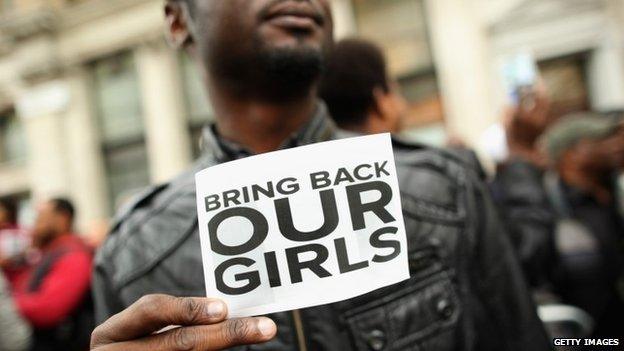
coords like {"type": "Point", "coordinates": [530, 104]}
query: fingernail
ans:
{"type": "Point", "coordinates": [216, 309]}
{"type": "Point", "coordinates": [266, 327]}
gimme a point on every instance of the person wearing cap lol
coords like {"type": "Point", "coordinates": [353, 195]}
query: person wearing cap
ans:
{"type": "Point", "coordinates": [585, 154]}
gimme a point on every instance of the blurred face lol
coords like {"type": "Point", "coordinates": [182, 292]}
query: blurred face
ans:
{"type": "Point", "coordinates": [251, 45]}
{"type": "Point", "coordinates": [48, 225]}
{"type": "Point", "coordinates": [599, 157]}
{"type": "Point", "coordinates": [392, 107]}
{"type": "Point", "coordinates": [398, 106]}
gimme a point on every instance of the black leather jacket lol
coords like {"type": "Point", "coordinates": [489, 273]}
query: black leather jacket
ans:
{"type": "Point", "coordinates": [466, 290]}
{"type": "Point", "coordinates": [523, 203]}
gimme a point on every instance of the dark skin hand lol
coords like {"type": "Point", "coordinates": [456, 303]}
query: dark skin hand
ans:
{"type": "Point", "coordinates": [526, 123]}
{"type": "Point", "coordinates": [590, 164]}
{"type": "Point", "coordinates": [203, 321]}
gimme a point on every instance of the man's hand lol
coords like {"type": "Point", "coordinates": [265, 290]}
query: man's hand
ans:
{"type": "Point", "coordinates": [526, 123]}
{"type": "Point", "coordinates": [203, 322]}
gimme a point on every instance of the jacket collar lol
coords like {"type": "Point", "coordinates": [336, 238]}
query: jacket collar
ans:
{"type": "Point", "coordinates": [319, 128]}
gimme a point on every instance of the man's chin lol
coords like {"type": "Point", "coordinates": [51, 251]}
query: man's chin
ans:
{"type": "Point", "coordinates": [301, 52]}
{"type": "Point", "coordinates": [272, 67]}
{"type": "Point", "coordinates": [287, 71]}
{"type": "Point", "coordinates": [306, 56]}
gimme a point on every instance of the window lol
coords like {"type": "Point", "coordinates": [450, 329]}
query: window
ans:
{"type": "Point", "coordinates": [197, 104]}
{"type": "Point", "coordinates": [12, 139]}
{"type": "Point", "coordinates": [565, 79]}
{"type": "Point", "coordinates": [119, 113]}
{"type": "Point", "coordinates": [399, 27]}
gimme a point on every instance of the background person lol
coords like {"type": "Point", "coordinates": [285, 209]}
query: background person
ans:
{"type": "Point", "coordinates": [14, 242]}
{"type": "Point", "coordinates": [586, 154]}
{"type": "Point", "coordinates": [518, 189]}
{"type": "Point", "coordinates": [54, 294]}
{"type": "Point", "coordinates": [360, 95]}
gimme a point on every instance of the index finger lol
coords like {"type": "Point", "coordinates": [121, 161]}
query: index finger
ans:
{"type": "Point", "coordinates": [154, 312]}
{"type": "Point", "coordinates": [227, 334]}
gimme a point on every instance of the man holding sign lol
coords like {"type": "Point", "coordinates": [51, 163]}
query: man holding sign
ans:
{"type": "Point", "coordinates": [424, 267]}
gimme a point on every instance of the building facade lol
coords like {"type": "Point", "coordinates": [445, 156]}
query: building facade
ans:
{"type": "Point", "coordinates": [94, 105]}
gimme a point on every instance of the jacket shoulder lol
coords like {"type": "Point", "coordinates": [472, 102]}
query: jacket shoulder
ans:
{"type": "Point", "coordinates": [458, 159]}
{"type": "Point", "coordinates": [433, 181]}
{"type": "Point", "coordinates": [147, 228]}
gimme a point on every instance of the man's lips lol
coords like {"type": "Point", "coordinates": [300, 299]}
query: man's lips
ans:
{"type": "Point", "coordinates": [294, 22]}
{"type": "Point", "coordinates": [293, 15]}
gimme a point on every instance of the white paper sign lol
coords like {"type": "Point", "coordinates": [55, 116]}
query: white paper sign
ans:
{"type": "Point", "coordinates": [302, 227]}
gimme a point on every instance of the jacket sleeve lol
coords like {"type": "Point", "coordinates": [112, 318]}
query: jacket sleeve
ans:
{"type": "Point", "coordinates": [506, 317]}
{"type": "Point", "coordinates": [526, 210]}
{"type": "Point", "coordinates": [104, 298]}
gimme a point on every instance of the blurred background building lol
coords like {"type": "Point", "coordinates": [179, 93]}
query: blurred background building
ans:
{"type": "Point", "coordinates": [94, 105]}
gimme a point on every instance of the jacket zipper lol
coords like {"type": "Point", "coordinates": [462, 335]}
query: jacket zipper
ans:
{"type": "Point", "coordinates": [299, 330]}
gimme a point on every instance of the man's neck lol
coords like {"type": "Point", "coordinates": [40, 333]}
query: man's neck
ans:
{"type": "Point", "coordinates": [373, 124]}
{"type": "Point", "coordinates": [261, 126]}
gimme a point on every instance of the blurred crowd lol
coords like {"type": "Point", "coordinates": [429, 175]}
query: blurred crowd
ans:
{"type": "Point", "coordinates": [556, 188]}
{"type": "Point", "coordinates": [44, 285]}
